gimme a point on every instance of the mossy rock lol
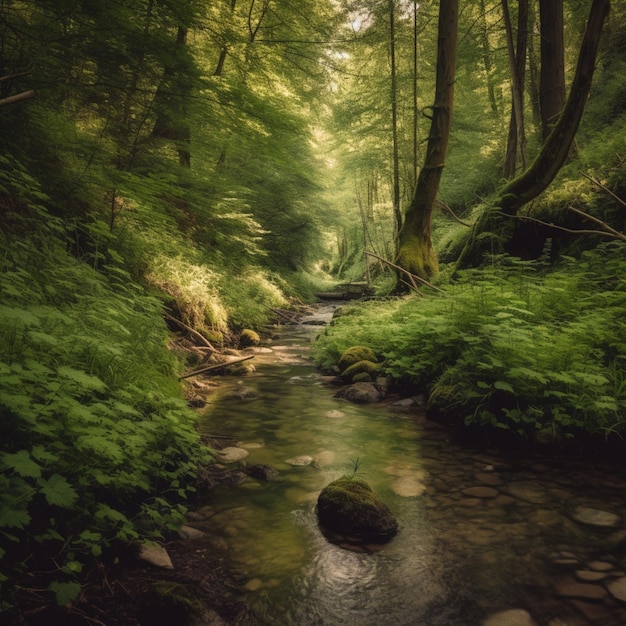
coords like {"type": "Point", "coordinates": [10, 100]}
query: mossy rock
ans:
{"type": "Point", "coordinates": [362, 371]}
{"type": "Point", "coordinates": [249, 338]}
{"type": "Point", "coordinates": [354, 355]}
{"type": "Point", "coordinates": [350, 507]}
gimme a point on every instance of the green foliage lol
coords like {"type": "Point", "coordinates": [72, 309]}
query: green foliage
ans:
{"type": "Point", "coordinates": [511, 347]}
{"type": "Point", "coordinates": [97, 447]}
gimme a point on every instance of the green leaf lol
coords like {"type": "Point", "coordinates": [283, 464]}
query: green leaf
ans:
{"type": "Point", "coordinates": [82, 378]}
{"type": "Point", "coordinates": [65, 593]}
{"type": "Point", "coordinates": [58, 491]}
{"type": "Point", "coordinates": [21, 463]}
{"type": "Point", "coordinates": [503, 386]}
{"type": "Point", "coordinates": [13, 518]}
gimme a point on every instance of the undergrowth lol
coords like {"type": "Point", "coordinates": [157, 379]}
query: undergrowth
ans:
{"type": "Point", "coordinates": [98, 449]}
{"type": "Point", "coordinates": [536, 352]}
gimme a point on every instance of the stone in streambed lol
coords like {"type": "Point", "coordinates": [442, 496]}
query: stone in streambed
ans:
{"type": "Point", "coordinates": [512, 617]}
{"type": "Point", "coordinates": [351, 508]}
{"type": "Point", "coordinates": [617, 588]}
{"type": "Point", "coordinates": [596, 517]}
{"type": "Point", "coordinates": [233, 454]}
{"type": "Point", "coordinates": [300, 460]}
{"type": "Point", "coordinates": [360, 393]}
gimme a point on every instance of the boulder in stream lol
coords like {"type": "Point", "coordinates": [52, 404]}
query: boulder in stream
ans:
{"type": "Point", "coordinates": [350, 507]}
{"type": "Point", "coordinates": [360, 393]}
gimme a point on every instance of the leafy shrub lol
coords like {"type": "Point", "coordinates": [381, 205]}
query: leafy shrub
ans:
{"type": "Point", "coordinates": [540, 354]}
{"type": "Point", "coordinates": [97, 447]}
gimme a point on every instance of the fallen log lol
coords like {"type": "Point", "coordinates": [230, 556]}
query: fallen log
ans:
{"type": "Point", "coordinates": [216, 366]}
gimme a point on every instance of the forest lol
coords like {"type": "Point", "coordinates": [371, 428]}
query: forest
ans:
{"type": "Point", "coordinates": [171, 164]}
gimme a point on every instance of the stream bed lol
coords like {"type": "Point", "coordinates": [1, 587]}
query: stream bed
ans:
{"type": "Point", "coordinates": [485, 538]}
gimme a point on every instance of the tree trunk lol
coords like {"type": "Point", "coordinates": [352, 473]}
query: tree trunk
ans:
{"type": "Point", "coordinates": [394, 118]}
{"type": "Point", "coordinates": [552, 73]}
{"type": "Point", "coordinates": [517, 61]}
{"type": "Point", "coordinates": [497, 222]}
{"type": "Point", "coordinates": [416, 254]}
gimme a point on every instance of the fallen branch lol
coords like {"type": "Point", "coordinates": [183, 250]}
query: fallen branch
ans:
{"type": "Point", "coordinates": [604, 188]}
{"type": "Point", "coordinates": [25, 95]}
{"type": "Point", "coordinates": [609, 232]}
{"type": "Point", "coordinates": [453, 215]}
{"type": "Point", "coordinates": [193, 332]}
{"type": "Point", "coordinates": [412, 277]}
{"type": "Point", "coordinates": [217, 366]}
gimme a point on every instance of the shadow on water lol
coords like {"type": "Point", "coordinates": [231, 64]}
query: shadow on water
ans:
{"type": "Point", "coordinates": [479, 532]}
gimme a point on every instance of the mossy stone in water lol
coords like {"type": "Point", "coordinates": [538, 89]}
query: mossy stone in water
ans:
{"type": "Point", "coordinates": [362, 371]}
{"type": "Point", "coordinates": [351, 507]}
{"type": "Point", "coordinates": [354, 355]}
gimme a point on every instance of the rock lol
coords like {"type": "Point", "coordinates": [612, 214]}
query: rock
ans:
{"type": "Point", "coordinates": [243, 393]}
{"type": "Point", "coordinates": [489, 478]}
{"type": "Point", "coordinates": [405, 402]}
{"type": "Point", "coordinates": [480, 492]}
{"type": "Point", "coordinates": [188, 532]}
{"type": "Point", "coordinates": [354, 355]}
{"type": "Point", "coordinates": [596, 517]}
{"type": "Point", "coordinates": [232, 454]}
{"type": "Point", "coordinates": [334, 414]}
{"type": "Point", "coordinates": [303, 459]}
{"type": "Point", "coordinates": [572, 589]}
{"type": "Point", "coordinates": [155, 555]}
{"type": "Point", "coordinates": [617, 588]}
{"type": "Point", "coordinates": [261, 472]}
{"type": "Point", "coordinates": [587, 576]}
{"type": "Point", "coordinates": [601, 566]}
{"type": "Point", "coordinates": [350, 507]}
{"type": "Point", "coordinates": [512, 617]}
{"type": "Point", "coordinates": [360, 393]}
{"type": "Point", "coordinates": [528, 491]}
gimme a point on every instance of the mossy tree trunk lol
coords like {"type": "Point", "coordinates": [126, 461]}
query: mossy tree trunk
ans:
{"type": "Point", "coordinates": [415, 249]}
{"type": "Point", "coordinates": [496, 223]}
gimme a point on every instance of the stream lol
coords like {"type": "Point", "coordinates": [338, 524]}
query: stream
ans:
{"type": "Point", "coordinates": [485, 538]}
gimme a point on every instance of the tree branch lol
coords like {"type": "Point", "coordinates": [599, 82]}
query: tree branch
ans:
{"type": "Point", "coordinates": [412, 277]}
{"type": "Point", "coordinates": [25, 95]}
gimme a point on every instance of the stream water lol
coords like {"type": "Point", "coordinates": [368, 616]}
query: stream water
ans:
{"type": "Point", "coordinates": [485, 538]}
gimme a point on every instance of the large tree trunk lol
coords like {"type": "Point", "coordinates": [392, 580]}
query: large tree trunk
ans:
{"type": "Point", "coordinates": [517, 61]}
{"type": "Point", "coordinates": [552, 73]}
{"type": "Point", "coordinates": [495, 226]}
{"type": "Point", "coordinates": [415, 249]}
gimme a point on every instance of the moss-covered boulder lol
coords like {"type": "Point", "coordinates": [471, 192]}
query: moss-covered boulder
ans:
{"type": "Point", "coordinates": [350, 507]}
{"type": "Point", "coordinates": [362, 371]}
{"type": "Point", "coordinates": [248, 338]}
{"type": "Point", "coordinates": [354, 355]}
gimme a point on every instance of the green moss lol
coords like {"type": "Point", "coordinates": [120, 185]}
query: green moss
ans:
{"type": "Point", "coordinates": [249, 338]}
{"type": "Point", "coordinates": [351, 507]}
{"type": "Point", "coordinates": [367, 368]}
{"type": "Point", "coordinates": [354, 355]}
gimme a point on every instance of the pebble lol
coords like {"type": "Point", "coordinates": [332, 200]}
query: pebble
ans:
{"type": "Point", "coordinates": [480, 492]}
{"type": "Point", "coordinates": [596, 517]}
{"type": "Point", "coordinates": [232, 454]}
{"type": "Point", "coordinates": [155, 555]}
{"type": "Point", "coordinates": [617, 588]}
{"type": "Point", "coordinates": [573, 589]}
{"type": "Point", "coordinates": [512, 617]}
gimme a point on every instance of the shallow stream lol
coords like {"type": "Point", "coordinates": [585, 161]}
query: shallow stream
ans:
{"type": "Point", "coordinates": [483, 536]}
